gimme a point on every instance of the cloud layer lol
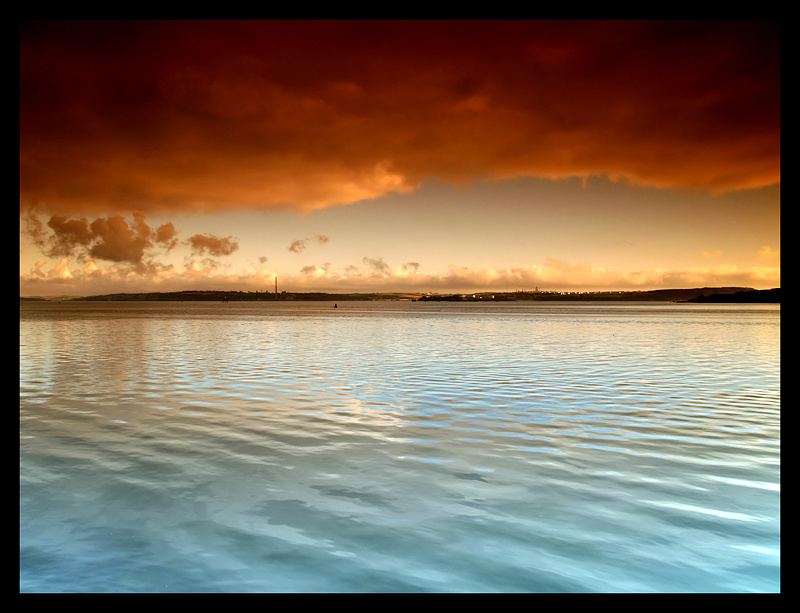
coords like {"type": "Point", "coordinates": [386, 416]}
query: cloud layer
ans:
{"type": "Point", "coordinates": [375, 274]}
{"type": "Point", "coordinates": [166, 117]}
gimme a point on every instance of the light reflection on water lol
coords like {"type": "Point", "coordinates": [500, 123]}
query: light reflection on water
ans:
{"type": "Point", "coordinates": [391, 446]}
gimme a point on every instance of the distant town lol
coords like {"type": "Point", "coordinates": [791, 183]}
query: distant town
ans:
{"type": "Point", "coordinates": [701, 295]}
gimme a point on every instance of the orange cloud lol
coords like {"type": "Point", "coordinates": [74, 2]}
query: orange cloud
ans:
{"type": "Point", "coordinates": [299, 244]}
{"type": "Point", "coordinates": [204, 116]}
{"type": "Point", "coordinates": [213, 245]}
{"type": "Point", "coordinates": [115, 240]}
{"type": "Point", "coordinates": [768, 253]}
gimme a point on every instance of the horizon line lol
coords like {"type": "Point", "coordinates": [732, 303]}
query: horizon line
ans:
{"type": "Point", "coordinates": [405, 293]}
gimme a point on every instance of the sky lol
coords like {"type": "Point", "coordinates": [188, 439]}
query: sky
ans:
{"type": "Point", "coordinates": [398, 156]}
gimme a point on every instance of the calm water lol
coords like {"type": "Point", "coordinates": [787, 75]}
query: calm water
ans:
{"type": "Point", "coordinates": [399, 446]}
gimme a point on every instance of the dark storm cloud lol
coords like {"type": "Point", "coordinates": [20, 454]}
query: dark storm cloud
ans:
{"type": "Point", "coordinates": [203, 115]}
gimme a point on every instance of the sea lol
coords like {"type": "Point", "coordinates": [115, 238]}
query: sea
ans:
{"type": "Point", "coordinates": [399, 446]}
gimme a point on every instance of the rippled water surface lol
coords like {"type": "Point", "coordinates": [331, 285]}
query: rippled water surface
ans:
{"type": "Point", "coordinates": [399, 446]}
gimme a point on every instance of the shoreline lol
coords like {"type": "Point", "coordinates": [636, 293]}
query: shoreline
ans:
{"type": "Point", "coordinates": [693, 295]}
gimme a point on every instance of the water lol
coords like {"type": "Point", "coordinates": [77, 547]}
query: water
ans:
{"type": "Point", "coordinates": [399, 447]}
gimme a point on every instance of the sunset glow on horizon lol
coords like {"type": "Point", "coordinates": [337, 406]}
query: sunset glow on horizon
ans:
{"type": "Point", "coordinates": [363, 156]}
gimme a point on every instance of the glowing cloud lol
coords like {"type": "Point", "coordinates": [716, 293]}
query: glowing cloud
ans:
{"type": "Point", "coordinates": [551, 275]}
{"type": "Point", "coordinates": [768, 253]}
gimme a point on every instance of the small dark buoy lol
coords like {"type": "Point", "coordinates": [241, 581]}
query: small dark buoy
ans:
{"type": "Point", "coordinates": [335, 306]}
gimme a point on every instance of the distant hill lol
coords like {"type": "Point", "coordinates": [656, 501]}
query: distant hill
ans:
{"type": "Point", "coordinates": [662, 295]}
{"type": "Point", "coordinates": [746, 296]}
{"type": "Point", "coordinates": [703, 294]}
{"type": "Point", "coordinates": [232, 296]}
